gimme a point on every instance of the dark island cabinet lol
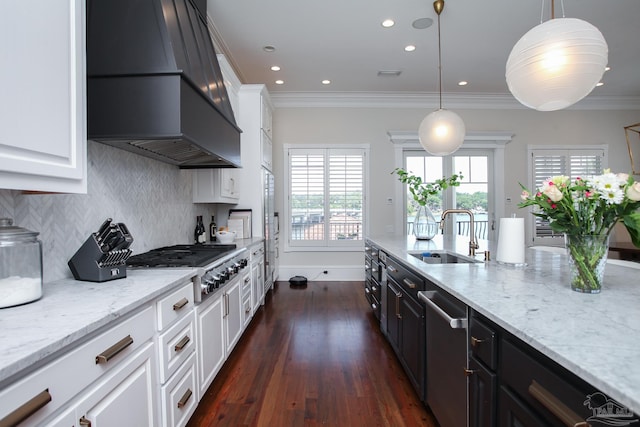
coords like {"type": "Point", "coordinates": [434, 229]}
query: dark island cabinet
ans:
{"type": "Point", "coordinates": [513, 385]}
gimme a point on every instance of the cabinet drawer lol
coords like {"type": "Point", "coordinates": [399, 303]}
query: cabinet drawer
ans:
{"type": "Point", "coordinates": [175, 345]}
{"type": "Point", "coordinates": [246, 309]}
{"type": "Point", "coordinates": [543, 386]}
{"type": "Point", "coordinates": [72, 372]}
{"type": "Point", "coordinates": [246, 286]}
{"type": "Point", "coordinates": [483, 343]}
{"type": "Point", "coordinates": [179, 395]}
{"type": "Point", "coordinates": [408, 281]}
{"type": "Point", "coordinates": [175, 305]}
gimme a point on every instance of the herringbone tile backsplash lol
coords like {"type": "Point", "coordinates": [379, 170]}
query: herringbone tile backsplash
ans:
{"type": "Point", "coordinates": [152, 198]}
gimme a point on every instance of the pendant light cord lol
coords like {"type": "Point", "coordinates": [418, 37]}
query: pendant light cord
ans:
{"type": "Point", "coordinates": [439, 63]}
{"type": "Point", "coordinates": [553, 10]}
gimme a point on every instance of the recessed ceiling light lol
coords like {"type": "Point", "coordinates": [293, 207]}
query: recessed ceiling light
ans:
{"type": "Point", "coordinates": [326, 82]}
{"type": "Point", "coordinates": [269, 48]}
{"type": "Point", "coordinates": [463, 83]}
{"type": "Point", "coordinates": [422, 23]}
{"type": "Point", "coordinates": [279, 82]}
{"type": "Point", "coordinates": [409, 48]}
{"type": "Point", "coordinates": [388, 23]}
{"type": "Point", "coordinates": [275, 68]}
{"type": "Point", "coordinates": [599, 84]}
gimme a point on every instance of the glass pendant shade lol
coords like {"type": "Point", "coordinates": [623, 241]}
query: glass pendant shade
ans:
{"type": "Point", "coordinates": [441, 132]}
{"type": "Point", "coordinates": [556, 64]}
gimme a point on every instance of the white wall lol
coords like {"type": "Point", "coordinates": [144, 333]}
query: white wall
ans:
{"type": "Point", "coordinates": [357, 125]}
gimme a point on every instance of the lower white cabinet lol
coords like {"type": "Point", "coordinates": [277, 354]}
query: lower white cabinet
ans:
{"type": "Point", "coordinates": [113, 360]}
{"type": "Point", "coordinates": [211, 341]}
{"type": "Point", "coordinates": [247, 305]}
{"type": "Point", "coordinates": [257, 275]}
{"type": "Point", "coordinates": [180, 394]}
{"type": "Point", "coordinates": [233, 318]}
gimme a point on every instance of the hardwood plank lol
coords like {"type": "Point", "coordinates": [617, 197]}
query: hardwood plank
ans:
{"type": "Point", "coordinates": [312, 356]}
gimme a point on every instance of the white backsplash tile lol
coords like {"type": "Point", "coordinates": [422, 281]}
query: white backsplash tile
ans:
{"type": "Point", "coordinates": [152, 198]}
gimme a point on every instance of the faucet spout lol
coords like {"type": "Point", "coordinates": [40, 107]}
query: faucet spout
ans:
{"type": "Point", "coordinates": [473, 243]}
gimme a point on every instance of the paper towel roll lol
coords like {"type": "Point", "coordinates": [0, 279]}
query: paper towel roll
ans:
{"type": "Point", "coordinates": [511, 241]}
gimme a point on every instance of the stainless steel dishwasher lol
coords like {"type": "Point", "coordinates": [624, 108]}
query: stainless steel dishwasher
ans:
{"type": "Point", "coordinates": [446, 342]}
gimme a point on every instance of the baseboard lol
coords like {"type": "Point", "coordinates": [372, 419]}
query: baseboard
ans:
{"type": "Point", "coordinates": [335, 273]}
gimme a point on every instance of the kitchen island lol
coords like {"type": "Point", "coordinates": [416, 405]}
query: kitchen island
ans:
{"type": "Point", "coordinates": [594, 336]}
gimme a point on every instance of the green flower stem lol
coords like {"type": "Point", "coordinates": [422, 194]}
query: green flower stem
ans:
{"type": "Point", "coordinates": [587, 252]}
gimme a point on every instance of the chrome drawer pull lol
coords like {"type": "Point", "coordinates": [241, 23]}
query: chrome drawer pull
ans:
{"type": "Point", "coordinates": [392, 269]}
{"type": "Point", "coordinates": [27, 409]}
{"type": "Point", "coordinates": [427, 296]}
{"type": "Point", "coordinates": [177, 306]}
{"type": "Point", "coordinates": [475, 342]}
{"type": "Point", "coordinates": [112, 351]}
{"type": "Point", "coordinates": [409, 283]}
{"type": "Point", "coordinates": [182, 343]}
{"type": "Point", "coordinates": [555, 406]}
{"type": "Point", "coordinates": [84, 422]}
{"type": "Point", "coordinates": [185, 398]}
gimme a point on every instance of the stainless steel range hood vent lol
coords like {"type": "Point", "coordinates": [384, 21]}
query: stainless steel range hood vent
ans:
{"type": "Point", "coordinates": [154, 84]}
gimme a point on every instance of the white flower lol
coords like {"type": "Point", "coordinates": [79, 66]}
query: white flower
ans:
{"type": "Point", "coordinates": [605, 183]}
{"type": "Point", "coordinates": [622, 178]}
{"type": "Point", "coordinates": [633, 191]}
{"type": "Point", "coordinates": [612, 196]}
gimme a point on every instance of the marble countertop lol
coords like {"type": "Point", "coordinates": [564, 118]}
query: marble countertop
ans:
{"type": "Point", "coordinates": [595, 336]}
{"type": "Point", "coordinates": [72, 310]}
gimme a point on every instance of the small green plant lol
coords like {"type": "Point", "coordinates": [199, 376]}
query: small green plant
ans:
{"type": "Point", "coordinates": [421, 190]}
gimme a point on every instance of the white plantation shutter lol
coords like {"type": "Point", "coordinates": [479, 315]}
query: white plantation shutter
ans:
{"type": "Point", "coordinates": [326, 196]}
{"type": "Point", "coordinates": [572, 162]}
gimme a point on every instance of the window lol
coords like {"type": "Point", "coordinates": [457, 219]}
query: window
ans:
{"type": "Point", "coordinates": [472, 194]}
{"type": "Point", "coordinates": [570, 161]}
{"type": "Point", "coordinates": [326, 188]}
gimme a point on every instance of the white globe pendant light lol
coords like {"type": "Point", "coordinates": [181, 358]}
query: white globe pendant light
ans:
{"type": "Point", "coordinates": [556, 64]}
{"type": "Point", "coordinates": [442, 131]}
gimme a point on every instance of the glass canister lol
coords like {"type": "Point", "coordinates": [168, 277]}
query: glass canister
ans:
{"type": "Point", "coordinates": [20, 265]}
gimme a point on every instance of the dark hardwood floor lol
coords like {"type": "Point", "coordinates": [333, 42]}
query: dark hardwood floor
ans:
{"type": "Point", "coordinates": [312, 356]}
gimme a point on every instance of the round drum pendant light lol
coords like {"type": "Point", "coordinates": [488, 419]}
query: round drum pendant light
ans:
{"type": "Point", "coordinates": [556, 64]}
{"type": "Point", "coordinates": [442, 131]}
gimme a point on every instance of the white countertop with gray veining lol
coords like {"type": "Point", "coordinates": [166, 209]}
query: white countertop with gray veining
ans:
{"type": "Point", "coordinates": [71, 311]}
{"type": "Point", "coordinates": [595, 336]}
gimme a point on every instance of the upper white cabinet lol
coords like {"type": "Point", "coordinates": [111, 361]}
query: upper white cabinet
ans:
{"type": "Point", "coordinates": [215, 186]}
{"type": "Point", "coordinates": [43, 102]}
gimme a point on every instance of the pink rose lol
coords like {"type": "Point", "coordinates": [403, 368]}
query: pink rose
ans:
{"type": "Point", "coordinates": [553, 193]}
{"type": "Point", "coordinates": [633, 191]}
{"type": "Point", "coordinates": [524, 195]}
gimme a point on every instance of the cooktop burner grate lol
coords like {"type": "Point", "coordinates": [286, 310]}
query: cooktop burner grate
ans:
{"type": "Point", "coordinates": [180, 256]}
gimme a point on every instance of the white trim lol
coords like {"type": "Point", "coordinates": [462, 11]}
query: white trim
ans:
{"type": "Point", "coordinates": [315, 273]}
{"type": "Point", "coordinates": [477, 101]}
{"type": "Point", "coordinates": [492, 140]}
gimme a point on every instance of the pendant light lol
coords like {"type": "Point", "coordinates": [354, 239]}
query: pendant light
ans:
{"type": "Point", "coordinates": [442, 131]}
{"type": "Point", "coordinates": [556, 63]}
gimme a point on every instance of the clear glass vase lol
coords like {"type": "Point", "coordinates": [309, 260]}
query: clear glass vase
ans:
{"type": "Point", "coordinates": [588, 258]}
{"type": "Point", "coordinates": [425, 226]}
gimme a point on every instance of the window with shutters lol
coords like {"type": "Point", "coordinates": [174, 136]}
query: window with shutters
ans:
{"type": "Point", "coordinates": [571, 161]}
{"type": "Point", "coordinates": [326, 190]}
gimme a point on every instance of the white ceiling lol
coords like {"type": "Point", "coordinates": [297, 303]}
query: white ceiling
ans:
{"type": "Point", "coordinates": [343, 41]}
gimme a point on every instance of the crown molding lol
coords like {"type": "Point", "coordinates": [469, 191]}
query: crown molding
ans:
{"type": "Point", "coordinates": [431, 101]}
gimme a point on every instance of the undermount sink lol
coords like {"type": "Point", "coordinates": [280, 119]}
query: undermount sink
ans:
{"type": "Point", "coordinates": [443, 257]}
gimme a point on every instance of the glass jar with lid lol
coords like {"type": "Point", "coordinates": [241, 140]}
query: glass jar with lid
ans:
{"type": "Point", "coordinates": [20, 265]}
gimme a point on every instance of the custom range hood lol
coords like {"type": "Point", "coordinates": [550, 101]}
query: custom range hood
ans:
{"type": "Point", "coordinates": [154, 84]}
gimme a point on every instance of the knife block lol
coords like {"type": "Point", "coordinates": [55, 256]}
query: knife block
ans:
{"type": "Point", "coordinates": [91, 264]}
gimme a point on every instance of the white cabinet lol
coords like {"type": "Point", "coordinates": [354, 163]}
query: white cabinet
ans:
{"type": "Point", "coordinates": [176, 346]}
{"type": "Point", "coordinates": [215, 186]}
{"type": "Point", "coordinates": [43, 104]}
{"type": "Point", "coordinates": [219, 327]}
{"type": "Point", "coordinates": [257, 274]}
{"type": "Point", "coordinates": [84, 376]}
{"type": "Point", "coordinates": [247, 303]}
{"type": "Point", "coordinates": [211, 342]}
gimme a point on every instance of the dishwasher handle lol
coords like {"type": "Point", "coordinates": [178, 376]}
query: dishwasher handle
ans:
{"type": "Point", "coordinates": [427, 297]}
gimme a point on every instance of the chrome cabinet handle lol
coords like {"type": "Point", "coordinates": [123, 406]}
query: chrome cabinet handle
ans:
{"type": "Point", "coordinates": [177, 306]}
{"type": "Point", "coordinates": [392, 269]}
{"type": "Point", "coordinates": [409, 283]}
{"type": "Point", "coordinates": [27, 409]}
{"type": "Point", "coordinates": [427, 297]}
{"type": "Point", "coordinates": [555, 406]}
{"type": "Point", "coordinates": [468, 372]}
{"type": "Point", "coordinates": [182, 343]}
{"type": "Point", "coordinates": [185, 398]}
{"type": "Point", "coordinates": [112, 351]}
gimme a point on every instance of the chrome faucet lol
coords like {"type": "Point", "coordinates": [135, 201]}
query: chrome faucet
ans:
{"type": "Point", "coordinates": [473, 244]}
